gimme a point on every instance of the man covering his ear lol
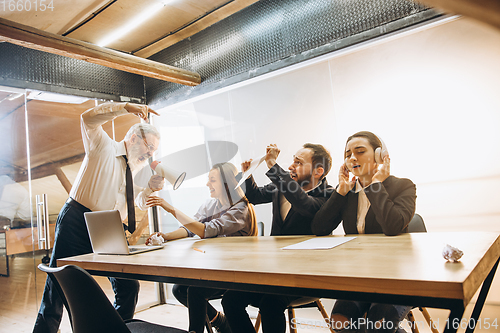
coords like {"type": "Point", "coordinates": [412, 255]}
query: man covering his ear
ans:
{"type": "Point", "coordinates": [296, 196]}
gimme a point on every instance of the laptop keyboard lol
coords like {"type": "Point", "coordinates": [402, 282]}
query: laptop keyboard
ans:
{"type": "Point", "coordinates": [135, 249]}
{"type": "Point", "coordinates": [132, 249]}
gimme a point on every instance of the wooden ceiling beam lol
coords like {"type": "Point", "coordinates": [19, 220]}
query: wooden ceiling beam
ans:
{"type": "Point", "coordinates": [47, 169]}
{"type": "Point", "coordinates": [63, 179]}
{"type": "Point", "coordinates": [486, 11]}
{"type": "Point", "coordinates": [26, 36]}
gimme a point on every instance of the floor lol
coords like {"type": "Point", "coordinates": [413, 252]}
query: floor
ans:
{"type": "Point", "coordinates": [20, 296]}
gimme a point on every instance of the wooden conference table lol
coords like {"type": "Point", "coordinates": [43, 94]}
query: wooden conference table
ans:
{"type": "Point", "coordinates": [407, 269]}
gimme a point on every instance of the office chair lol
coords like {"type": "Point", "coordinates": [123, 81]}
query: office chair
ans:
{"type": "Point", "coordinates": [417, 225]}
{"type": "Point", "coordinates": [88, 307]}
{"type": "Point", "coordinates": [260, 228]}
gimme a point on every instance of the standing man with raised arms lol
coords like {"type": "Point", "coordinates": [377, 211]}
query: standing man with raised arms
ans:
{"type": "Point", "coordinates": [101, 185]}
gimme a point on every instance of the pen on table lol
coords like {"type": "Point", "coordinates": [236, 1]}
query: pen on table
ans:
{"type": "Point", "coordinates": [196, 249]}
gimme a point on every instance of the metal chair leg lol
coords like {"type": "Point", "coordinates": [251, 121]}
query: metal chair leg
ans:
{"type": "Point", "coordinates": [291, 320]}
{"type": "Point", "coordinates": [325, 315]}
{"type": "Point", "coordinates": [428, 319]}
{"type": "Point", "coordinates": [208, 325]}
{"type": "Point", "coordinates": [257, 323]}
{"type": "Point", "coordinates": [413, 324]}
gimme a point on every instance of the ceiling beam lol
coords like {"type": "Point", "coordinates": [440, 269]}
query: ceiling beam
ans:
{"type": "Point", "coordinates": [26, 36]}
{"type": "Point", "coordinates": [486, 11]}
{"type": "Point", "coordinates": [63, 179]}
{"type": "Point", "coordinates": [47, 169]}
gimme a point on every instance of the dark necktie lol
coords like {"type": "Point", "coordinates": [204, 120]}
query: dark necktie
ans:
{"type": "Point", "coordinates": [130, 197]}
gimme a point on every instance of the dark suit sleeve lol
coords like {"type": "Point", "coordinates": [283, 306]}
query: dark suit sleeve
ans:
{"type": "Point", "coordinates": [257, 195]}
{"type": "Point", "coordinates": [330, 215]}
{"type": "Point", "coordinates": [301, 202]}
{"type": "Point", "coordinates": [393, 211]}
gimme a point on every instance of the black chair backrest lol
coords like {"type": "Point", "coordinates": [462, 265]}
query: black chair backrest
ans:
{"type": "Point", "coordinates": [89, 308]}
{"type": "Point", "coordinates": [417, 224]}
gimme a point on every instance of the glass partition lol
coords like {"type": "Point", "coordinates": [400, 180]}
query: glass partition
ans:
{"type": "Point", "coordinates": [18, 233]}
{"type": "Point", "coordinates": [40, 157]}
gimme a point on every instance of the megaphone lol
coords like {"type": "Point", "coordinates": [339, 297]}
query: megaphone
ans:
{"type": "Point", "coordinates": [174, 177]}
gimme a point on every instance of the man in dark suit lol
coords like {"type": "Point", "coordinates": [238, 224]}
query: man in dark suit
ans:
{"type": "Point", "coordinates": [296, 196]}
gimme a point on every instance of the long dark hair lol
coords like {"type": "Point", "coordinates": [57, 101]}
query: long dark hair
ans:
{"type": "Point", "coordinates": [235, 194]}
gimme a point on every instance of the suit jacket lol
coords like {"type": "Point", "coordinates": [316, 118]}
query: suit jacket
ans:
{"type": "Point", "coordinates": [304, 205]}
{"type": "Point", "coordinates": [392, 206]}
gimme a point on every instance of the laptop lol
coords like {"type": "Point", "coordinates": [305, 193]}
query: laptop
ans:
{"type": "Point", "coordinates": [107, 235]}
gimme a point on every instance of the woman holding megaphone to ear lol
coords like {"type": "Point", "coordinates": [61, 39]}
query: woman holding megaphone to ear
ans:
{"type": "Point", "coordinates": [372, 201]}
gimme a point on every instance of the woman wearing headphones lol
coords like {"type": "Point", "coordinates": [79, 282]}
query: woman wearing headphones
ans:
{"type": "Point", "coordinates": [371, 202]}
{"type": "Point", "coordinates": [228, 213]}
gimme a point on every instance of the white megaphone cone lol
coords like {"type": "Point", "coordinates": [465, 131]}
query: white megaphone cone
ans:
{"type": "Point", "coordinates": [174, 177]}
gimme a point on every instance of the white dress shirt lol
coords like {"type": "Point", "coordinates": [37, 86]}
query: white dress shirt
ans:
{"type": "Point", "coordinates": [285, 205]}
{"type": "Point", "coordinates": [363, 206]}
{"type": "Point", "coordinates": [100, 183]}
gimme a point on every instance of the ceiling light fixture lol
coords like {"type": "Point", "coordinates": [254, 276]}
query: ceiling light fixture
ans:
{"type": "Point", "coordinates": [15, 96]}
{"type": "Point", "coordinates": [11, 90]}
{"type": "Point", "coordinates": [53, 97]}
{"type": "Point", "coordinates": [134, 23]}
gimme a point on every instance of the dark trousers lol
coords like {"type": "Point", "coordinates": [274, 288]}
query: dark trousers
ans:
{"type": "Point", "coordinates": [196, 300]}
{"type": "Point", "coordinates": [370, 317]}
{"type": "Point", "coordinates": [71, 239]}
{"type": "Point", "coordinates": [272, 311]}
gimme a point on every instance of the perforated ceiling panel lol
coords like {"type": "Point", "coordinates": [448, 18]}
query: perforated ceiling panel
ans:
{"type": "Point", "coordinates": [27, 68]}
{"type": "Point", "coordinates": [272, 34]}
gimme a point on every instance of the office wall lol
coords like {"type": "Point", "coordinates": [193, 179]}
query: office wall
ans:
{"type": "Point", "coordinates": [433, 97]}
{"type": "Point", "coordinates": [431, 94]}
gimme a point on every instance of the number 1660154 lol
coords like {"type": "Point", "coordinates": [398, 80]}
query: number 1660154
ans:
{"type": "Point", "coordinates": [26, 5]}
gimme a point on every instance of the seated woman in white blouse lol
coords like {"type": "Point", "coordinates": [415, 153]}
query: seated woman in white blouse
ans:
{"type": "Point", "coordinates": [373, 201]}
{"type": "Point", "coordinates": [228, 213]}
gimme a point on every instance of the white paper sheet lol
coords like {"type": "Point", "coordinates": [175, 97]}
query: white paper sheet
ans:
{"type": "Point", "coordinates": [254, 165]}
{"type": "Point", "coordinates": [319, 243]}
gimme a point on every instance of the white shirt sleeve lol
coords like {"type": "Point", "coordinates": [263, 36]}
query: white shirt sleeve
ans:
{"type": "Point", "coordinates": [141, 198]}
{"type": "Point", "coordinates": [92, 120]}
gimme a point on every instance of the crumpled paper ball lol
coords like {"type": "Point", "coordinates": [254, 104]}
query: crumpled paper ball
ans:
{"type": "Point", "coordinates": [156, 239]}
{"type": "Point", "coordinates": [451, 253]}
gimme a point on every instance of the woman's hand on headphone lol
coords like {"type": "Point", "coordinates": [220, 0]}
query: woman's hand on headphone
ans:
{"type": "Point", "coordinates": [345, 185]}
{"type": "Point", "coordinates": [383, 172]}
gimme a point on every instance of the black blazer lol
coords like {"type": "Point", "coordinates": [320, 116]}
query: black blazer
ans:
{"type": "Point", "coordinates": [392, 206]}
{"type": "Point", "coordinates": [304, 205]}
